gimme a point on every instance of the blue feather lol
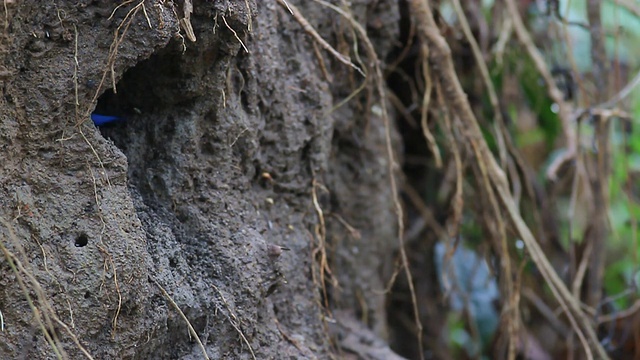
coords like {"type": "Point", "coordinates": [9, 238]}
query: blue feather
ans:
{"type": "Point", "coordinates": [100, 120]}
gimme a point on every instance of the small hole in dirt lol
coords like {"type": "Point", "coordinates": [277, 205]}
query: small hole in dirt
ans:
{"type": "Point", "coordinates": [82, 240]}
{"type": "Point", "coordinates": [173, 263]}
{"type": "Point", "coordinates": [87, 295]}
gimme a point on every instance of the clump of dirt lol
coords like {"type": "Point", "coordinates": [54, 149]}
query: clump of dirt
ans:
{"type": "Point", "coordinates": [188, 202]}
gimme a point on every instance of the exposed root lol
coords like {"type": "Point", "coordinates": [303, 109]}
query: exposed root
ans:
{"type": "Point", "coordinates": [622, 94]}
{"type": "Point", "coordinates": [440, 55]}
{"type": "Point", "coordinates": [457, 201]}
{"type": "Point", "coordinates": [567, 119]}
{"type": "Point", "coordinates": [392, 164]}
{"type": "Point", "coordinates": [114, 321]}
{"type": "Point", "coordinates": [233, 320]}
{"type": "Point", "coordinates": [192, 331]}
{"type": "Point", "coordinates": [105, 252]}
{"type": "Point", "coordinates": [83, 116]}
{"type": "Point", "coordinates": [57, 349]}
{"type": "Point", "coordinates": [323, 68]}
{"type": "Point", "coordinates": [287, 337]}
{"type": "Point", "coordinates": [44, 313]}
{"type": "Point", "coordinates": [235, 34]}
{"type": "Point", "coordinates": [511, 309]}
{"type": "Point", "coordinates": [426, 99]}
{"type": "Point", "coordinates": [352, 231]}
{"type": "Point", "coordinates": [283, 1]}
{"type": "Point", "coordinates": [314, 34]}
{"type": "Point", "coordinates": [321, 249]}
{"type": "Point", "coordinates": [118, 37]}
{"type": "Point", "coordinates": [185, 20]}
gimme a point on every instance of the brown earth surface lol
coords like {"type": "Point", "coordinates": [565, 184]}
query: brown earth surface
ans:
{"type": "Point", "coordinates": [217, 163]}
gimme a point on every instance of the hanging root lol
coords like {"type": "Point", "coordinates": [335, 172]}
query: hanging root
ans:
{"type": "Point", "coordinates": [440, 57]}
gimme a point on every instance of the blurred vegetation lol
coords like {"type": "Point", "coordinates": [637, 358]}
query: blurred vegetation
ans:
{"type": "Point", "coordinates": [557, 209]}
